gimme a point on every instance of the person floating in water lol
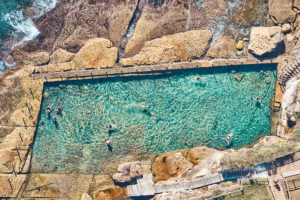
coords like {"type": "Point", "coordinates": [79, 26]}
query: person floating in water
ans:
{"type": "Point", "coordinates": [58, 109]}
{"type": "Point", "coordinates": [49, 109]}
{"type": "Point", "coordinates": [55, 119]}
{"type": "Point", "coordinates": [144, 107]}
{"type": "Point", "coordinates": [198, 78]}
{"type": "Point", "coordinates": [258, 101]}
{"type": "Point", "coordinates": [112, 127]}
{"type": "Point", "coordinates": [228, 138]}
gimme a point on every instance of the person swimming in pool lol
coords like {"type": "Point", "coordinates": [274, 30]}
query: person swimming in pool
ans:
{"type": "Point", "coordinates": [112, 127]}
{"type": "Point", "coordinates": [228, 137]}
{"type": "Point", "coordinates": [144, 107]}
{"type": "Point", "coordinates": [58, 109]}
{"type": "Point", "coordinates": [49, 108]}
{"type": "Point", "coordinates": [198, 78]}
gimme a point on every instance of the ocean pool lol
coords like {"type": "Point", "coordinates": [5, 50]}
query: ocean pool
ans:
{"type": "Point", "coordinates": [183, 113]}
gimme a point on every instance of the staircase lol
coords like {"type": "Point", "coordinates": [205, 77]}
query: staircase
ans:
{"type": "Point", "coordinates": [291, 68]}
{"type": "Point", "coordinates": [277, 194]}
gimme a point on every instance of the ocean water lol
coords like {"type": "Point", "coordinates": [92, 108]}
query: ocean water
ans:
{"type": "Point", "coordinates": [15, 26]}
{"type": "Point", "coordinates": [182, 113]}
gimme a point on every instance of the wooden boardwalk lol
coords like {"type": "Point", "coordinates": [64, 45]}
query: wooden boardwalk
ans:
{"type": "Point", "coordinates": [42, 72]}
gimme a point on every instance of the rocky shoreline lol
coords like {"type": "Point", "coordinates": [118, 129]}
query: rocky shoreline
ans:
{"type": "Point", "coordinates": [72, 38]}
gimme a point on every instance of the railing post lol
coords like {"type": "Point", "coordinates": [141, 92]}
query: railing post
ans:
{"type": "Point", "coordinates": [31, 93]}
{"type": "Point", "coordinates": [9, 181]}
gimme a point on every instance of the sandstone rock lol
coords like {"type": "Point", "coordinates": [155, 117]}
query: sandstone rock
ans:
{"type": "Point", "coordinates": [109, 193]}
{"type": "Point", "coordinates": [224, 47]}
{"type": "Point", "coordinates": [34, 58]}
{"type": "Point", "coordinates": [197, 154]}
{"type": "Point", "coordinates": [128, 171]}
{"type": "Point", "coordinates": [290, 37]}
{"type": "Point", "coordinates": [282, 11]}
{"type": "Point", "coordinates": [170, 165]}
{"type": "Point", "coordinates": [176, 47]}
{"type": "Point", "coordinates": [97, 52]}
{"type": "Point", "coordinates": [297, 4]}
{"type": "Point", "coordinates": [265, 40]}
{"type": "Point", "coordinates": [61, 56]}
{"type": "Point", "coordinates": [286, 28]}
{"type": "Point", "coordinates": [85, 196]}
{"type": "Point", "coordinates": [240, 45]}
{"type": "Point", "coordinates": [268, 140]}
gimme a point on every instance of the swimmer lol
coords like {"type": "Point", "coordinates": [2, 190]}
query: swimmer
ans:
{"type": "Point", "coordinates": [108, 142]}
{"type": "Point", "coordinates": [49, 107]}
{"type": "Point", "coordinates": [258, 98]}
{"type": "Point", "coordinates": [228, 137]}
{"type": "Point", "coordinates": [144, 107]}
{"type": "Point", "coordinates": [197, 78]}
{"type": "Point", "coordinates": [58, 109]}
{"type": "Point", "coordinates": [112, 127]}
{"type": "Point", "coordinates": [55, 118]}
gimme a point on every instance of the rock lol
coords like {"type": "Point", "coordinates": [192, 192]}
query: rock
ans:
{"type": "Point", "coordinates": [289, 37]}
{"type": "Point", "coordinates": [128, 171]}
{"type": "Point", "coordinates": [85, 196]}
{"type": "Point", "coordinates": [109, 193]}
{"type": "Point", "coordinates": [297, 4]}
{"type": "Point", "coordinates": [97, 52]}
{"type": "Point", "coordinates": [282, 12]}
{"type": "Point", "coordinates": [197, 154]}
{"type": "Point", "coordinates": [286, 28]}
{"type": "Point", "coordinates": [239, 53]}
{"type": "Point", "coordinates": [91, 19]}
{"type": "Point", "coordinates": [268, 140]}
{"type": "Point", "coordinates": [224, 47]}
{"type": "Point", "coordinates": [34, 58]}
{"type": "Point", "coordinates": [170, 48]}
{"type": "Point", "coordinates": [240, 45]}
{"type": "Point", "coordinates": [170, 165]}
{"type": "Point", "coordinates": [265, 41]}
{"type": "Point", "coordinates": [238, 77]}
{"type": "Point", "coordinates": [61, 56]}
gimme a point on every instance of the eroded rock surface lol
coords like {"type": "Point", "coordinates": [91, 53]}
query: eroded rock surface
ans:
{"type": "Point", "coordinates": [265, 41]}
{"type": "Point", "coordinates": [97, 52]}
{"type": "Point", "coordinates": [224, 47]}
{"type": "Point", "coordinates": [33, 58]}
{"type": "Point", "coordinates": [128, 171]}
{"type": "Point", "coordinates": [61, 56]}
{"type": "Point", "coordinates": [282, 11]}
{"type": "Point", "coordinates": [197, 154]}
{"type": "Point", "coordinates": [176, 47]}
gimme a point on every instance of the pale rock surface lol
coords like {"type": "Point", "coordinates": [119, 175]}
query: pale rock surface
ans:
{"type": "Point", "coordinates": [97, 53]}
{"type": "Point", "coordinates": [224, 47]}
{"type": "Point", "coordinates": [268, 140]}
{"type": "Point", "coordinates": [177, 164]}
{"type": "Point", "coordinates": [170, 48]}
{"type": "Point", "coordinates": [297, 4]}
{"type": "Point", "coordinates": [61, 56]}
{"type": "Point", "coordinates": [128, 171]}
{"type": "Point", "coordinates": [286, 28]}
{"type": "Point", "coordinates": [282, 10]}
{"type": "Point", "coordinates": [85, 196]}
{"type": "Point", "coordinates": [197, 154]}
{"type": "Point", "coordinates": [240, 45]}
{"type": "Point", "coordinates": [265, 40]}
{"type": "Point", "coordinates": [36, 58]}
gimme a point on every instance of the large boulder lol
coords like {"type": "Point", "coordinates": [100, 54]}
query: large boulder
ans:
{"type": "Point", "coordinates": [97, 52]}
{"type": "Point", "coordinates": [128, 171]}
{"type": "Point", "coordinates": [177, 47]}
{"type": "Point", "coordinates": [170, 165]}
{"type": "Point", "coordinates": [282, 10]}
{"type": "Point", "coordinates": [35, 58]}
{"type": "Point", "coordinates": [61, 56]}
{"type": "Point", "coordinates": [224, 47]}
{"type": "Point", "coordinates": [197, 154]}
{"type": "Point", "coordinates": [266, 41]}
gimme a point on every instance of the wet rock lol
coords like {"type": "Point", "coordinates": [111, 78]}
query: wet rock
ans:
{"type": "Point", "coordinates": [128, 171]}
{"type": "Point", "coordinates": [97, 52]}
{"type": "Point", "coordinates": [61, 56]}
{"type": "Point", "coordinates": [286, 28]}
{"type": "Point", "coordinates": [240, 45]}
{"type": "Point", "coordinates": [85, 196]}
{"type": "Point", "coordinates": [197, 154]}
{"type": "Point", "coordinates": [224, 47]}
{"type": "Point", "coordinates": [170, 165]}
{"type": "Point", "coordinates": [282, 12]}
{"type": "Point", "coordinates": [177, 47]}
{"type": "Point", "coordinates": [265, 41]}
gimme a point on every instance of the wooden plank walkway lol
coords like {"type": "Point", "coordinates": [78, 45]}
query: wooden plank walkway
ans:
{"type": "Point", "coordinates": [42, 72]}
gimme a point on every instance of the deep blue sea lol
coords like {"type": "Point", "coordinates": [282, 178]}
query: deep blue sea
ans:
{"type": "Point", "coordinates": [14, 26]}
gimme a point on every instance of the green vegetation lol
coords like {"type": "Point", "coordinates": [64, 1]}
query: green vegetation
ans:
{"type": "Point", "coordinates": [248, 158]}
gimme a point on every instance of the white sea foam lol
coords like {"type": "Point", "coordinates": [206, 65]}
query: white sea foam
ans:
{"type": "Point", "coordinates": [24, 28]}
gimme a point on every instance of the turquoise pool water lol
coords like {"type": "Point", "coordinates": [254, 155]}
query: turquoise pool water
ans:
{"type": "Point", "coordinates": [182, 113]}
